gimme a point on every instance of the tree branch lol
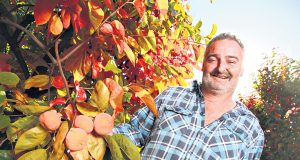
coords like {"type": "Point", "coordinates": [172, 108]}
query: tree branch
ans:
{"type": "Point", "coordinates": [38, 42]}
{"type": "Point", "coordinates": [60, 68]}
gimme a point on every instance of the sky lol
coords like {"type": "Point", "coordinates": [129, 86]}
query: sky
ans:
{"type": "Point", "coordinates": [260, 24]}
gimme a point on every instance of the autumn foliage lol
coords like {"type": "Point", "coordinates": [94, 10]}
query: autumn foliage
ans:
{"type": "Point", "coordinates": [72, 69]}
{"type": "Point", "coordinates": [276, 104]}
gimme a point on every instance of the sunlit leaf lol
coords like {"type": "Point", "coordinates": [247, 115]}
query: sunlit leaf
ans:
{"type": "Point", "coordinates": [38, 154]}
{"type": "Point", "coordinates": [30, 139]}
{"type": "Point", "coordinates": [100, 96]}
{"type": "Point", "coordinates": [140, 7]}
{"type": "Point", "coordinates": [2, 94]}
{"type": "Point", "coordinates": [81, 154]}
{"type": "Point", "coordinates": [9, 79]}
{"type": "Point", "coordinates": [96, 146]}
{"type": "Point", "coordinates": [58, 146]}
{"type": "Point", "coordinates": [55, 25]}
{"type": "Point", "coordinates": [114, 148]}
{"type": "Point", "coordinates": [21, 124]}
{"type": "Point", "coordinates": [87, 109]}
{"type": "Point", "coordinates": [43, 10]}
{"type": "Point", "coordinates": [118, 28]}
{"type": "Point", "coordinates": [213, 31]}
{"type": "Point", "coordinates": [163, 6]}
{"type": "Point", "coordinates": [126, 145]}
{"type": "Point", "coordinates": [151, 41]}
{"type": "Point", "coordinates": [116, 94]}
{"type": "Point", "coordinates": [182, 81]}
{"type": "Point", "coordinates": [145, 96]}
{"type": "Point", "coordinates": [111, 66]}
{"type": "Point", "coordinates": [4, 121]}
{"type": "Point", "coordinates": [96, 14]}
{"type": "Point", "coordinates": [132, 42]}
{"type": "Point", "coordinates": [38, 81]}
{"type": "Point", "coordinates": [129, 53]}
{"type": "Point", "coordinates": [32, 109]}
{"type": "Point", "coordinates": [6, 155]}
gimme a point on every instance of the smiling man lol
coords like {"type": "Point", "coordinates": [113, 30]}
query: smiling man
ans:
{"type": "Point", "coordinates": [203, 121]}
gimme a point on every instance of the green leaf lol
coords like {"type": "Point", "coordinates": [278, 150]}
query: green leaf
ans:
{"type": "Point", "coordinates": [213, 31]}
{"type": "Point", "coordinates": [39, 154]}
{"type": "Point", "coordinates": [111, 66]}
{"type": "Point", "coordinates": [58, 146]}
{"type": "Point", "coordinates": [128, 148]}
{"type": "Point", "coordinates": [114, 148]}
{"type": "Point", "coordinates": [21, 124]}
{"type": "Point", "coordinates": [198, 25]}
{"type": "Point", "coordinates": [32, 109]}
{"type": "Point", "coordinates": [9, 79]}
{"type": "Point", "coordinates": [151, 40]}
{"type": "Point", "coordinates": [4, 121]}
{"type": "Point", "coordinates": [2, 95]}
{"type": "Point", "coordinates": [100, 96]}
{"type": "Point", "coordinates": [6, 155]}
{"type": "Point", "coordinates": [96, 146]}
{"type": "Point", "coordinates": [30, 139]}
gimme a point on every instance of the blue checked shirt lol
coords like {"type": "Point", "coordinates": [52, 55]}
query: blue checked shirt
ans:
{"type": "Point", "coordinates": [179, 132]}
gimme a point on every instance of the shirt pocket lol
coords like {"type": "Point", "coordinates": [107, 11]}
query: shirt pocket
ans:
{"type": "Point", "coordinates": [175, 119]}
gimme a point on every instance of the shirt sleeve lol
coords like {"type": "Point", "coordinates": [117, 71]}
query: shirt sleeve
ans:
{"type": "Point", "coordinates": [140, 125]}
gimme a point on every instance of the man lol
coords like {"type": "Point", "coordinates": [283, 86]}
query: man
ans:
{"type": "Point", "coordinates": [201, 122]}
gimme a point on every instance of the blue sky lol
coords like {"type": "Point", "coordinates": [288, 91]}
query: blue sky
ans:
{"type": "Point", "coordinates": [261, 25]}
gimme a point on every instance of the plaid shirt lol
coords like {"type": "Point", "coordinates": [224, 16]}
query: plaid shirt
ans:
{"type": "Point", "coordinates": [179, 132]}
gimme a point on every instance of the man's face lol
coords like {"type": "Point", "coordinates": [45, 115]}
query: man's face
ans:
{"type": "Point", "coordinates": [222, 66]}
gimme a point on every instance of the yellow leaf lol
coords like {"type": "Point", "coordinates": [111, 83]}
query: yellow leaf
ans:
{"type": "Point", "coordinates": [81, 154]}
{"type": "Point", "coordinates": [30, 139]}
{"type": "Point", "coordinates": [87, 109]}
{"type": "Point", "coordinates": [38, 154]}
{"type": "Point", "coordinates": [163, 6]}
{"type": "Point", "coordinates": [32, 109]}
{"type": "Point", "coordinates": [145, 96]}
{"type": "Point", "coordinates": [96, 14]}
{"type": "Point", "coordinates": [100, 96]}
{"type": "Point", "coordinates": [182, 81]}
{"type": "Point", "coordinates": [129, 53]}
{"type": "Point", "coordinates": [132, 42]}
{"type": "Point", "coordinates": [38, 81]}
{"type": "Point", "coordinates": [160, 85]}
{"type": "Point", "coordinates": [55, 25]}
{"type": "Point", "coordinates": [58, 146]}
{"type": "Point", "coordinates": [96, 146]}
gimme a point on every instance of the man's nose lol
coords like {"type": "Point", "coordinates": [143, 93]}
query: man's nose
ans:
{"type": "Point", "coordinates": [221, 66]}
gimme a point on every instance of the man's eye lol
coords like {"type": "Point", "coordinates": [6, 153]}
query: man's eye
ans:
{"type": "Point", "coordinates": [232, 62]}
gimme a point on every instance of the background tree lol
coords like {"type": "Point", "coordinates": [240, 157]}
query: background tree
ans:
{"type": "Point", "coordinates": [70, 69]}
{"type": "Point", "coordinates": [277, 106]}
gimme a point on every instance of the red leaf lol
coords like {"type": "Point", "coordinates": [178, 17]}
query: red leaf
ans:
{"type": "Point", "coordinates": [122, 13]}
{"type": "Point", "coordinates": [118, 28]}
{"type": "Point", "coordinates": [55, 25]}
{"type": "Point", "coordinates": [108, 4]}
{"type": "Point", "coordinates": [57, 101]}
{"type": "Point", "coordinates": [66, 18]}
{"type": "Point", "coordinates": [80, 93]}
{"type": "Point", "coordinates": [96, 68]}
{"type": "Point", "coordinates": [58, 82]}
{"type": "Point", "coordinates": [43, 10]}
{"type": "Point", "coordinates": [106, 28]}
{"type": "Point", "coordinates": [4, 66]}
{"type": "Point", "coordinates": [140, 7]}
{"type": "Point", "coordinates": [116, 94]}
